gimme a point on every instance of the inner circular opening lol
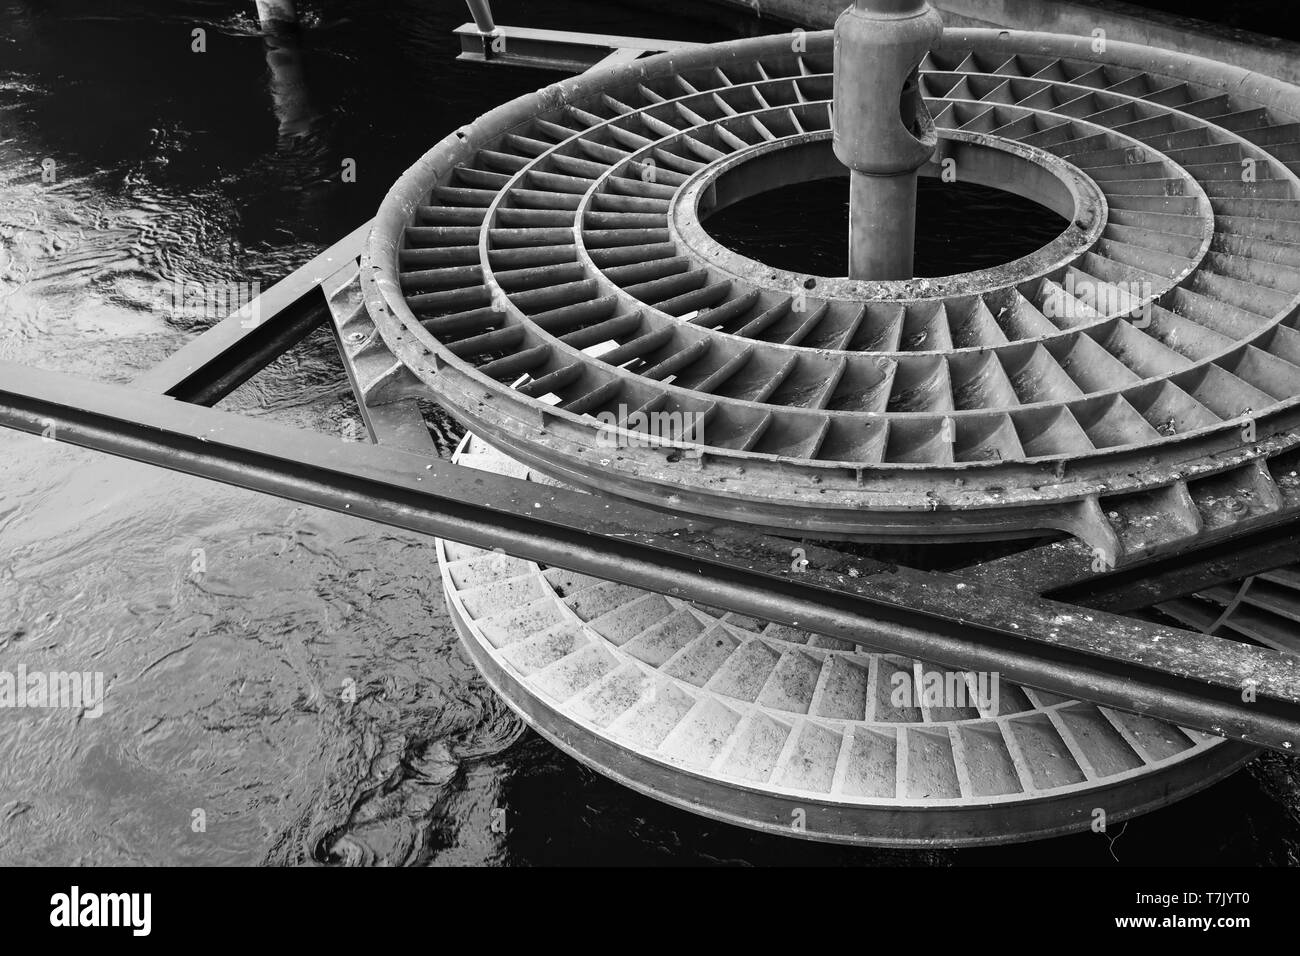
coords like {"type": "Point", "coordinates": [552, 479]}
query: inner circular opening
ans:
{"type": "Point", "coordinates": [980, 208]}
{"type": "Point", "coordinates": [960, 227]}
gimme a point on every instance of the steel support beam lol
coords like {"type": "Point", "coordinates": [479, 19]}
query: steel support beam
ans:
{"type": "Point", "coordinates": [222, 358]}
{"type": "Point", "coordinates": [554, 49]}
{"type": "Point", "coordinates": [1176, 675]}
{"type": "Point", "coordinates": [227, 355]}
{"type": "Point", "coordinates": [394, 420]}
{"type": "Point", "coordinates": [1063, 570]}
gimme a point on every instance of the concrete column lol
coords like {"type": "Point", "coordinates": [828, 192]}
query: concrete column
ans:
{"type": "Point", "coordinates": [883, 132]}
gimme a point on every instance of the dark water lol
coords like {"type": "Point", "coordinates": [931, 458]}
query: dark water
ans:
{"type": "Point", "coordinates": [224, 688]}
{"type": "Point", "coordinates": [960, 227]}
{"type": "Point", "coordinates": [1274, 18]}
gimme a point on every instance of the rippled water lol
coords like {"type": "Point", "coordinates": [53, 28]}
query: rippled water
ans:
{"type": "Point", "coordinates": [224, 687]}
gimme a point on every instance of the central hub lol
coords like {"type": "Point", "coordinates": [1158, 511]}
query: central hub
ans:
{"type": "Point", "coordinates": [883, 131]}
{"type": "Point", "coordinates": [1024, 171]}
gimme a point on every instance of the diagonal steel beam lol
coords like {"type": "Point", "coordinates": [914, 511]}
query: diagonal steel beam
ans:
{"type": "Point", "coordinates": [221, 359]}
{"type": "Point", "coordinates": [1192, 679]}
{"type": "Point", "coordinates": [392, 417]}
{"type": "Point", "coordinates": [1063, 570]}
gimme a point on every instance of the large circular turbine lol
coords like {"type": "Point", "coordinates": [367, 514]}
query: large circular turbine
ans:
{"type": "Point", "coordinates": [548, 275]}
{"type": "Point", "coordinates": [546, 272]}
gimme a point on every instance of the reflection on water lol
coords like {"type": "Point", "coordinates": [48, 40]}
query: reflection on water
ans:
{"type": "Point", "coordinates": [304, 691]}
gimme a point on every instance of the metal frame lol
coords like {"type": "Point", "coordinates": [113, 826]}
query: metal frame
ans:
{"type": "Point", "coordinates": [484, 41]}
{"type": "Point", "coordinates": [538, 632]}
{"type": "Point", "coordinates": [217, 362]}
{"type": "Point", "coordinates": [970, 620]}
{"type": "Point", "coordinates": [431, 277]}
{"type": "Point", "coordinates": [1177, 675]}
{"type": "Point", "coordinates": [892, 826]}
{"type": "Point", "coordinates": [555, 49]}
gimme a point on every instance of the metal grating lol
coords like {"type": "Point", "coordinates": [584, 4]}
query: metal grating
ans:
{"type": "Point", "coordinates": [789, 732]}
{"type": "Point", "coordinates": [1263, 609]}
{"type": "Point", "coordinates": [547, 267]}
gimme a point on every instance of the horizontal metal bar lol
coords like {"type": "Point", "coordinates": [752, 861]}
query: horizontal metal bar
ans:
{"type": "Point", "coordinates": [552, 49]}
{"type": "Point", "coordinates": [1192, 679]}
{"type": "Point", "coordinates": [225, 356]}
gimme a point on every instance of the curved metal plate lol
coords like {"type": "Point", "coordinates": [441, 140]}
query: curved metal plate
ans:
{"type": "Point", "coordinates": [550, 241]}
{"type": "Point", "coordinates": [796, 734]}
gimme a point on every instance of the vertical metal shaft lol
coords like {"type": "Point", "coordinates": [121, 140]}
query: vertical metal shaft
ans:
{"type": "Point", "coordinates": [482, 12]}
{"type": "Point", "coordinates": [289, 93]}
{"type": "Point", "coordinates": [882, 226]}
{"type": "Point", "coordinates": [883, 131]}
{"type": "Point", "coordinates": [273, 13]}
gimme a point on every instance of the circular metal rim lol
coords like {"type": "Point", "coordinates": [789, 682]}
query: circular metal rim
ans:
{"type": "Point", "coordinates": [877, 821]}
{"type": "Point", "coordinates": [519, 421]}
{"type": "Point", "coordinates": [826, 825]}
{"type": "Point", "coordinates": [1085, 225]}
{"type": "Point", "coordinates": [906, 292]}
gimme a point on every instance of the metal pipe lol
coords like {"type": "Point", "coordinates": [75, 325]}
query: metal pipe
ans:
{"type": "Point", "coordinates": [882, 226]}
{"type": "Point", "coordinates": [276, 13]}
{"type": "Point", "coordinates": [289, 95]}
{"type": "Point", "coordinates": [482, 13]}
{"type": "Point", "coordinates": [1192, 679]}
{"type": "Point", "coordinates": [883, 131]}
